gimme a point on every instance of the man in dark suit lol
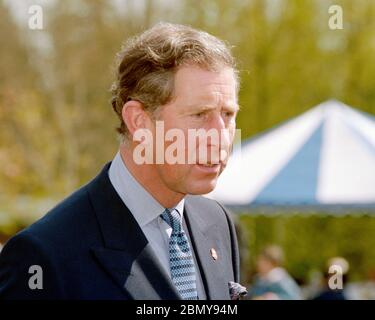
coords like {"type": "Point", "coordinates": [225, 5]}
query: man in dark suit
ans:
{"type": "Point", "coordinates": [140, 229]}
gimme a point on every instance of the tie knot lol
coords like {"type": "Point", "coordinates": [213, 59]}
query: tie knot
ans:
{"type": "Point", "coordinates": [173, 218]}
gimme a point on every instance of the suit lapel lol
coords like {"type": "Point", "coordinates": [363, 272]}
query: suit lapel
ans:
{"type": "Point", "coordinates": [126, 255]}
{"type": "Point", "coordinates": [140, 275]}
{"type": "Point", "coordinates": [215, 283]}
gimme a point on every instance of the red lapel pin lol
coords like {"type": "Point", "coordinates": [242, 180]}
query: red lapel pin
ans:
{"type": "Point", "coordinates": [213, 253]}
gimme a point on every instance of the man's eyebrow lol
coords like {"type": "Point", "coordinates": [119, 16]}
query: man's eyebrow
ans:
{"type": "Point", "coordinates": [235, 107]}
{"type": "Point", "coordinates": [207, 107]}
{"type": "Point", "coordinates": [199, 107]}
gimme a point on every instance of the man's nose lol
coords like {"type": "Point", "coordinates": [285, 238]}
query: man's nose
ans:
{"type": "Point", "coordinates": [217, 122]}
{"type": "Point", "coordinates": [223, 141]}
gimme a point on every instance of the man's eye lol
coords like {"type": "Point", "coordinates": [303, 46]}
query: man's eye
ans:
{"type": "Point", "coordinates": [229, 114]}
{"type": "Point", "coordinates": [199, 114]}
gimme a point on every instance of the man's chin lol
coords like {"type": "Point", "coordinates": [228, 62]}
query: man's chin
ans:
{"type": "Point", "coordinates": [203, 188]}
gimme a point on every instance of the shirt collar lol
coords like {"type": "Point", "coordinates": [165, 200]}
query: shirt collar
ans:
{"type": "Point", "coordinates": [140, 202]}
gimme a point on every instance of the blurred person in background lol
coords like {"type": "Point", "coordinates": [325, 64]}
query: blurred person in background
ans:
{"type": "Point", "coordinates": [272, 281]}
{"type": "Point", "coordinates": [329, 292]}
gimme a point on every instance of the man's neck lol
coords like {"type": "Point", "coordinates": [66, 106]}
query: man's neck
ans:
{"type": "Point", "coordinates": [147, 176]}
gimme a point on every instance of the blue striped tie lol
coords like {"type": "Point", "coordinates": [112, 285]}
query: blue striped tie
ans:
{"type": "Point", "coordinates": [180, 257]}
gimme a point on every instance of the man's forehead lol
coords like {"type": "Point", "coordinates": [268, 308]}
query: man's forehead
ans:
{"type": "Point", "coordinates": [196, 84]}
{"type": "Point", "coordinates": [212, 100]}
{"type": "Point", "coordinates": [196, 77]}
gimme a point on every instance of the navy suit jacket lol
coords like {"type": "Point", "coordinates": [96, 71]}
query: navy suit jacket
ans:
{"type": "Point", "coordinates": [91, 247]}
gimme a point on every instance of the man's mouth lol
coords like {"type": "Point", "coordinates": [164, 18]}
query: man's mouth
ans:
{"type": "Point", "coordinates": [209, 168]}
{"type": "Point", "coordinates": [209, 165]}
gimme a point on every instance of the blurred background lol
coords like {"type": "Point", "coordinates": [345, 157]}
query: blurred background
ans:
{"type": "Point", "coordinates": [57, 127]}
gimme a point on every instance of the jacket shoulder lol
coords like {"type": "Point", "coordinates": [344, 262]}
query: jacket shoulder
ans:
{"type": "Point", "coordinates": [66, 229]}
{"type": "Point", "coordinates": [65, 219]}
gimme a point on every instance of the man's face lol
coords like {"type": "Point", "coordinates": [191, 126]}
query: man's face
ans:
{"type": "Point", "coordinates": [202, 100]}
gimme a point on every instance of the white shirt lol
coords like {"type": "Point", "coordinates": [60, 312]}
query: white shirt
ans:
{"type": "Point", "coordinates": [146, 211]}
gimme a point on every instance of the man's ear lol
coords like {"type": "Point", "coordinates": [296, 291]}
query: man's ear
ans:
{"type": "Point", "coordinates": [134, 116]}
